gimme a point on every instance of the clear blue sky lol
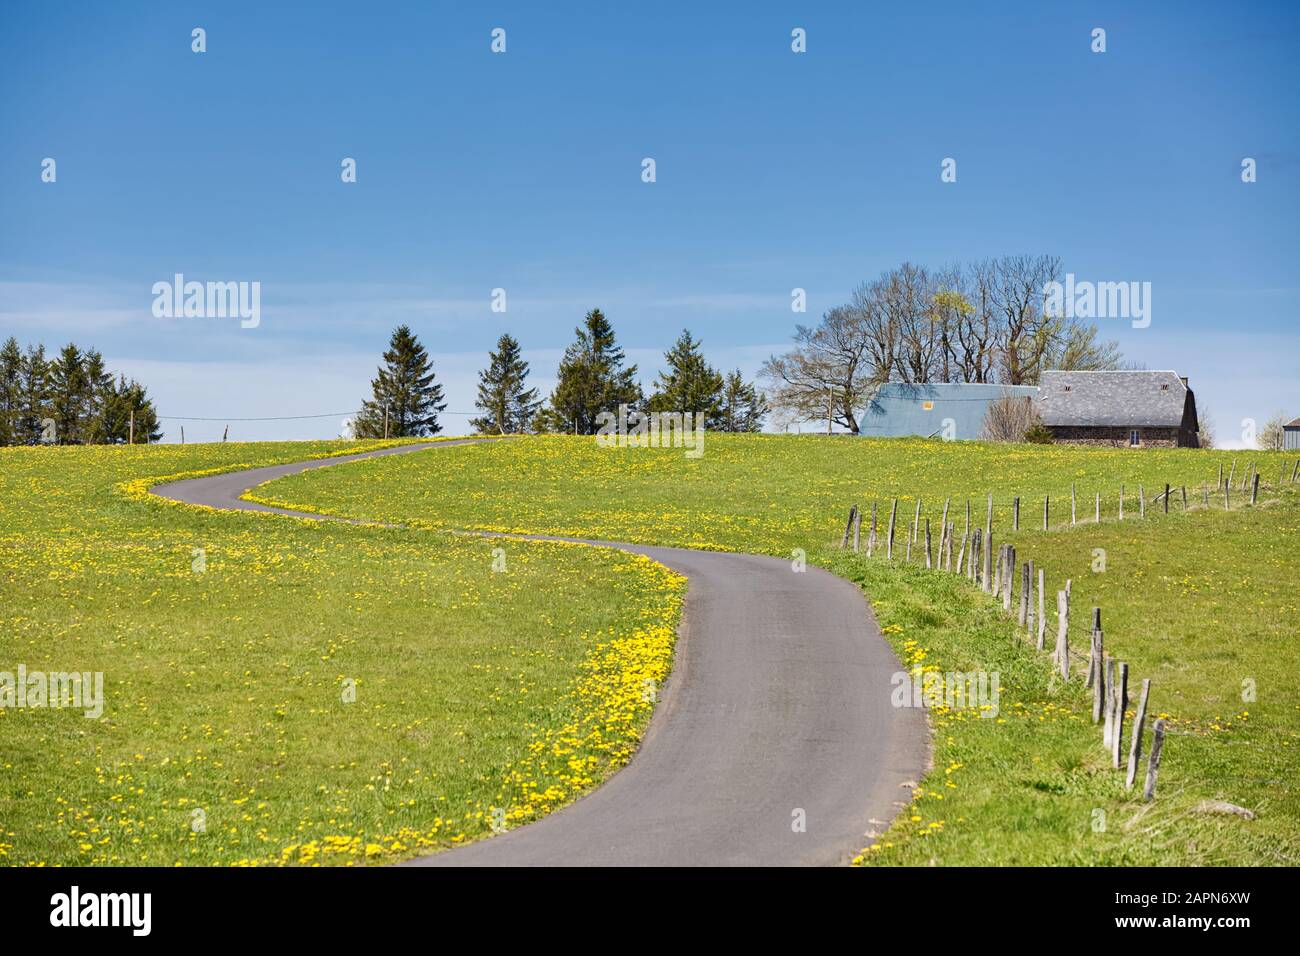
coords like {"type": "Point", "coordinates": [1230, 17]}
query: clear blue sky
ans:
{"type": "Point", "coordinates": [522, 171]}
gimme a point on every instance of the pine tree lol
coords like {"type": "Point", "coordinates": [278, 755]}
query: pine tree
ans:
{"type": "Point", "coordinates": [99, 391]}
{"type": "Point", "coordinates": [742, 407]}
{"type": "Point", "coordinates": [69, 389]}
{"type": "Point", "coordinates": [404, 393]}
{"type": "Point", "coordinates": [508, 407]}
{"type": "Point", "coordinates": [122, 401]}
{"type": "Point", "coordinates": [33, 396]}
{"type": "Point", "coordinates": [592, 380]}
{"type": "Point", "coordinates": [690, 384]}
{"type": "Point", "coordinates": [11, 363]}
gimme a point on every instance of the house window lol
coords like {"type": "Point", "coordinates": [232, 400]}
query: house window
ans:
{"type": "Point", "coordinates": [1134, 439]}
{"type": "Point", "coordinates": [928, 406]}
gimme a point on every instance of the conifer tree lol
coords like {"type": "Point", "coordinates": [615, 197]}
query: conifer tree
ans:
{"type": "Point", "coordinates": [403, 393]}
{"type": "Point", "coordinates": [689, 384]}
{"type": "Point", "coordinates": [742, 407]}
{"type": "Point", "coordinates": [592, 379]}
{"type": "Point", "coordinates": [508, 407]}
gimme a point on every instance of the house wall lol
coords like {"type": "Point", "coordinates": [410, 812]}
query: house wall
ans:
{"type": "Point", "coordinates": [1115, 437]}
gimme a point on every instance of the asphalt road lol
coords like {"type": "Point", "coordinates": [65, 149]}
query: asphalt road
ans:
{"type": "Point", "coordinates": [773, 743]}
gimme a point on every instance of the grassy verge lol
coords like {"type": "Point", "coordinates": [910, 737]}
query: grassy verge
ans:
{"type": "Point", "coordinates": [282, 691]}
{"type": "Point", "coordinates": [1201, 603]}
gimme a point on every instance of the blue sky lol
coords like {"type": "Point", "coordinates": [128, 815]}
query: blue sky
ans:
{"type": "Point", "coordinates": [522, 171]}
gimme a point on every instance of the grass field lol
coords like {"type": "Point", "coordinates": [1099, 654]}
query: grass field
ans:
{"type": "Point", "coordinates": [287, 691]}
{"type": "Point", "coordinates": [1199, 602]}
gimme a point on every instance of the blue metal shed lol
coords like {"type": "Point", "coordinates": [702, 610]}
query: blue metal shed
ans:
{"type": "Point", "coordinates": [1291, 435]}
{"type": "Point", "coordinates": [942, 409]}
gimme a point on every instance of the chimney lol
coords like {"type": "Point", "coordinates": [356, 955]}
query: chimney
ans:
{"type": "Point", "coordinates": [1183, 379]}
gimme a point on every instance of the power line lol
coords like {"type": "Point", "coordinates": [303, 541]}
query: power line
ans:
{"type": "Point", "coordinates": [276, 418]}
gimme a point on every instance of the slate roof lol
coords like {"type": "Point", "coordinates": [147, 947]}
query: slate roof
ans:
{"type": "Point", "coordinates": [898, 410]}
{"type": "Point", "coordinates": [1123, 399]}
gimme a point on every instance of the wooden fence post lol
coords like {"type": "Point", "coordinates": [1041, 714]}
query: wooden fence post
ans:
{"type": "Point", "coordinates": [1121, 502]}
{"type": "Point", "coordinates": [1142, 502]}
{"type": "Point", "coordinates": [927, 543]}
{"type": "Point", "coordinates": [1062, 633]}
{"type": "Point", "coordinates": [1294, 471]}
{"type": "Point", "coordinates": [961, 555]}
{"type": "Point", "coordinates": [1121, 702]}
{"type": "Point", "coordinates": [1046, 510]}
{"type": "Point", "coordinates": [857, 527]}
{"type": "Point", "coordinates": [1153, 763]}
{"type": "Point", "coordinates": [1009, 579]}
{"type": "Point", "coordinates": [986, 553]}
{"type": "Point", "coordinates": [1029, 600]}
{"type": "Point", "coordinates": [916, 520]}
{"type": "Point", "coordinates": [1072, 503]}
{"type": "Point", "coordinates": [889, 542]}
{"type": "Point", "coordinates": [1097, 516]}
{"type": "Point", "coordinates": [1135, 748]}
{"type": "Point", "coordinates": [1166, 497]}
{"type": "Point", "coordinates": [1254, 489]}
{"type": "Point", "coordinates": [848, 526]}
{"type": "Point", "coordinates": [944, 519]}
{"type": "Point", "coordinates": [1024, 594]}
{"type": "Point", "coordinates": [1099, 688]}
{"type": "Point", "coordinates": [1015, 514]}
{"type": "Point", "coordinates": [871, 535]}
{"type": "Point", "coordinates": [1042, 611]}
{"type": "Point", "coordinates": [1184, 499]}
{"type": "Point", "coordinates": [1092, 649]}
{"type": "Point", "coordinates": [907, 554]}
{"type": "Point", "coordinates": [1108, 724]}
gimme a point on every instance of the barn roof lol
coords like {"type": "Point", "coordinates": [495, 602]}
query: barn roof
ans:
{"type": "Point", "coordinates": [1294, 423]}
{"type": "Point", "coordinates": [898, 409]}
{"type": "Point", "coordinates": [1124, 399]}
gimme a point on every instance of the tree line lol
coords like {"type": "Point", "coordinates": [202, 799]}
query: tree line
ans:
{"type": "Point", "coordinates": [983, 322]}
{"type": "Point", "coordinates": [70, 399]}
{"type": "Point", "coordinates": [594, 376]}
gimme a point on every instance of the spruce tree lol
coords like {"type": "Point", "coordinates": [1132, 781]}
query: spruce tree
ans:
{"type": "Point", "coordinates": [11, 363]}
{"type": "Point", "coordinates": [689, 384]}
{"type": "Point", "coordinates": [404, 391]}
{"type": "Point", "coordinates": [508, 407]}
{"type": "Point", "coordinates": [742, 407]}
{"type": "Point", "coordinates": [124, 400]}
{"type": "Point", "coordinates": [70, 391]}
{"type": "Point", "coordinates": [33, 396]}
{"type": "Point", "coordinates": [592, 380]}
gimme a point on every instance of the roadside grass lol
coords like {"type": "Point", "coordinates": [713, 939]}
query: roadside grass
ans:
{"type": "Point", "coordinates": [1198, 602]}
{"type": "Point", "coordinates": [228, 640]}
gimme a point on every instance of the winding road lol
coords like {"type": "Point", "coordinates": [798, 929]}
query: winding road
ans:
{"type": "Point", "coordinates": [773, 743]}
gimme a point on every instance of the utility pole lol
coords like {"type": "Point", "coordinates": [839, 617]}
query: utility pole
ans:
{"type": "Point", "coordinates": [131, 440]}
{"type": "Point", "coordinates": [226, 433]}
{"type": "Point", "coordinates": [182, 434]}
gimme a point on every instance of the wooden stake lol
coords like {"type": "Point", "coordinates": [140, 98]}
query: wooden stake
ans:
{"type": "Point", "coordinates": [1100, 688]}
{"type": "Point", "coordinates": [961, 555]}
{"type": "Point", "coordinates": [1121, 502]}
{"type": "Point", "coordinates": [1254, 489]}
{"type": "Point", "coordinates": [1092, 649]}
{"type": "Point", "coordinates": [1073, 502]}
{"type": "Point", "coordinates": [1108, 724]}
{"type": "Point", "coordinates": [1062, 633]}
{"type": "Point", "coordinates": [1166, 497]}
{"type": "Point", "coordinates": [848, 526]}
{"type": "Point", "coordinates": [871, 535]}
{"type": "Point", "coordinates": [927, 542]}
{"type": "Point", "coordinates": [889, 544]}
{"type": "Point", "coordinates": [916, 521]}
{"type": "Point", "coordinates": [1015, 514]}
{"type": "Point", "coordinates": [1135, 748]}
{"type": "Point", "coordinates": [986, 548]}
{"type": "Point", "coordinates": [1142, 502]}
{"type": "Point", "coordinates": [1121, 703]}
{"type": "Point", "coordinates": [1097, 516]}
{"type": "Point", "coordinates": [1153, 764]}
{"type": "Point", "coordinates": [1029, 601]}
{"type": "Point", "coordinates": [1042, 611]}
{"type": "Point", "coordinates": [1046, 510]}
{"type": "Point", "coordinates": [857, 527]}
{"type": "Point", "coordinates": [1024, 595]}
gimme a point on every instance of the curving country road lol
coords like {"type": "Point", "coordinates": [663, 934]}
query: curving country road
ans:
{"type": "Point", "coordinates": [777, 710]}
